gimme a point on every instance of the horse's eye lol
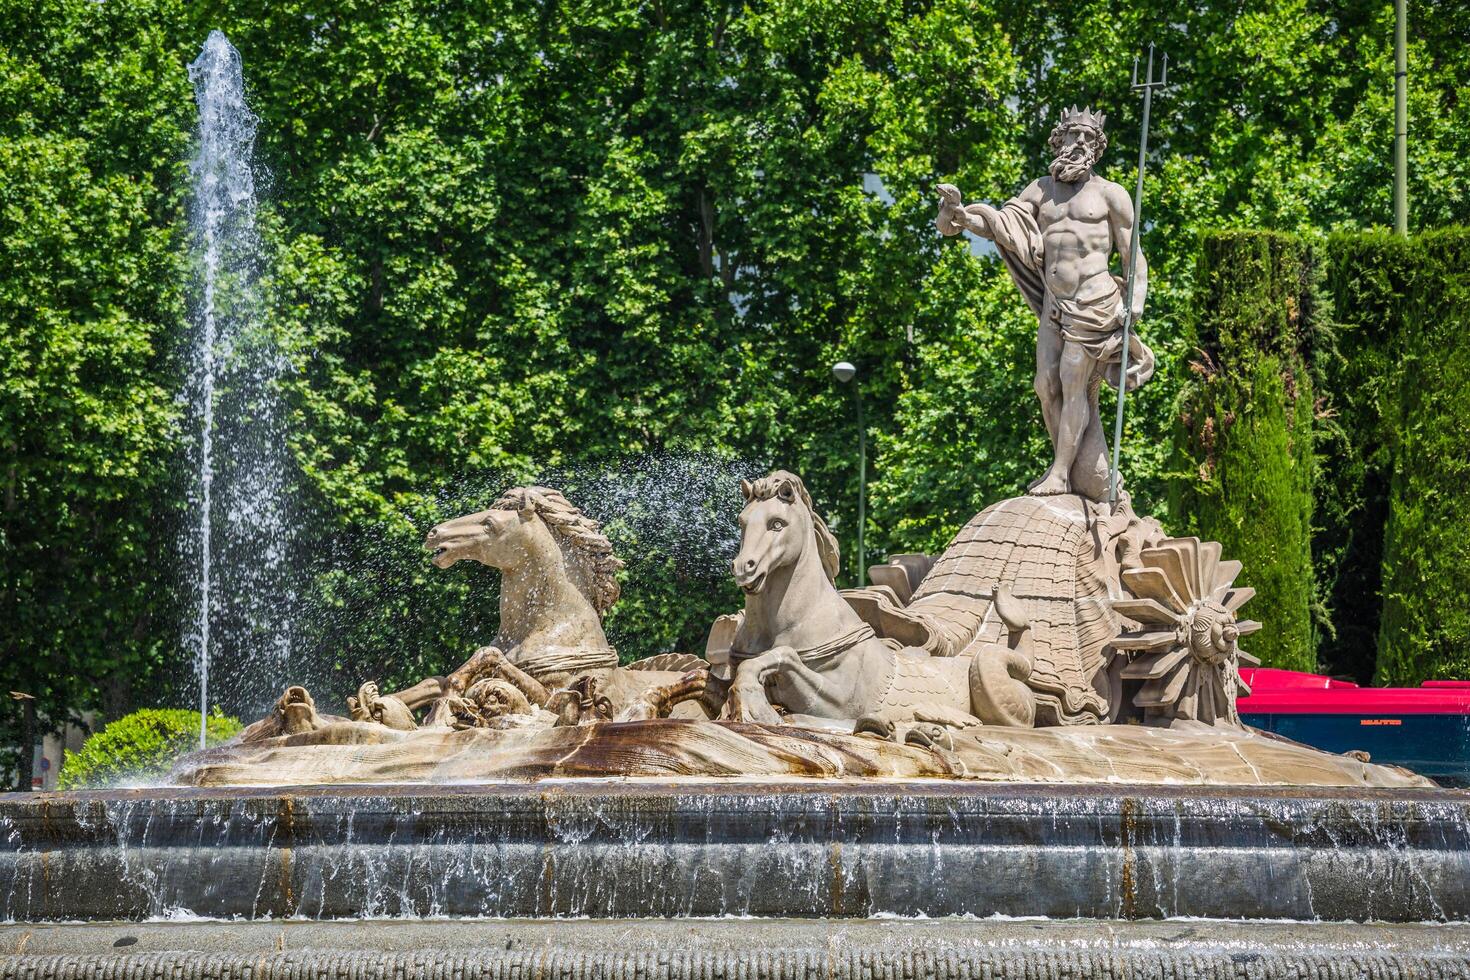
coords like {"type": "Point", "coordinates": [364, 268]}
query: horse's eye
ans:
{"type": "Point", "coordinates": [776, 524]}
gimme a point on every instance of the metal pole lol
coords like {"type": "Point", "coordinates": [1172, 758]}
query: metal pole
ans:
{"type": "Point", "coordinates": [1401, 118]}
{"type": "Point", "coordinates": [862, 520]}
{"type": "Point", "coordinates": [1133, 247]}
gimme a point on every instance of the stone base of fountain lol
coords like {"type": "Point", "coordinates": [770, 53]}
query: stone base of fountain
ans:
{"type": "Point", "coordinates": [780, 849]}
{"type": "Point", "coordinates": [353, 752]}
{"type": "Point", "coordinates": [772, 948]}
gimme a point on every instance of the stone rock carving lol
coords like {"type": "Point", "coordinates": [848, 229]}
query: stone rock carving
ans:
{"type": "Point", "coordinates": [659, 701]}
{"type": "Point", "coordinates": [1056, 239]}
{"type": "Point", "coordinates": [821, 660]}
{"type": "Point", "coordinates": [1045, 558]}
{"type": "Point", "coordinates": [671, 748]}
{"type": "Point", "coordinates": [559, 576]}
{"type": "Point", "coordinates": [1027, 599]}
{"type": "Point", "coordinates": [369, 705]}
{"type": "Point", "coordinates": [1184, 648]}
{"type": "Point", "coordinates": [556, 667]}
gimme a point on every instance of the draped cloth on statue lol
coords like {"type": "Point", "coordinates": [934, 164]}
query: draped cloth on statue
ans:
{"type": "Point", "coordinates": [1096, 324]}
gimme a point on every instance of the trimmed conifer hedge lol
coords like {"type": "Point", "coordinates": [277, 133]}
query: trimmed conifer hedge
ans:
{"type": "Point", "coordinates": [1367, 278]}
{"type": "Point", "coordinates": [1327, 445]}
{"type": "Point", "coordinates": [1425, 628]}
{"type": "Point", "coordinates": [1245, 430]}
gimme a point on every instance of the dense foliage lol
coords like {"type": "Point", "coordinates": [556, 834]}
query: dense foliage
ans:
{"type": "Point", "coordinates": [1246, 422]}
{"type": "Point", "coordinates": [140, 747]}
{"type": "Point", "coordinates": [1366, 278]}
{"type": "Point", "coordinates": [615, 245]}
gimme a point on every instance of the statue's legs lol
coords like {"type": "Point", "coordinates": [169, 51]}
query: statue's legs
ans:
{"type": "Point", "coordinates": [1074, 376]}
{"type": "Point", "coordinates": [1048, 367]}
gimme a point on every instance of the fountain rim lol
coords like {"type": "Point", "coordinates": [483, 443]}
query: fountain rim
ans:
{"type": "Point", "coordinates": [573, 788]}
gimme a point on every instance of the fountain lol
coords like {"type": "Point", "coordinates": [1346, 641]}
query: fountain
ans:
{"type": "Point", "coordinates": [1021, 756]}
{"type": "Point", "coordinates": [240, 534]}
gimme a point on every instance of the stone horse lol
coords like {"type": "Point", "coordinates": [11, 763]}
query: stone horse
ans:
{"type": "Point", "coordinates": [550, 658]}
{"type": "Point", "coordinates": [801, 640]}
{"type": "Point", "coordinates": [558, 577]}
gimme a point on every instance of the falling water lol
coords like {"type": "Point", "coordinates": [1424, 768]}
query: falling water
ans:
{"type": "Point", "coordinates": [240, 533]}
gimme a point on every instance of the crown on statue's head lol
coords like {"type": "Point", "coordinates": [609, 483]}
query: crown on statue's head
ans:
{"type": "Point", "coordinates": [1082, 117]}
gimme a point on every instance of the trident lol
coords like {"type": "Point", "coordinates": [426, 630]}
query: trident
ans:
{"type": "Point", "coordinates": [1147, 87]}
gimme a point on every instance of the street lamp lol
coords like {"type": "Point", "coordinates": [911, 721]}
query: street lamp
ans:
{"type": "Point", "coordinates": [845, 372]}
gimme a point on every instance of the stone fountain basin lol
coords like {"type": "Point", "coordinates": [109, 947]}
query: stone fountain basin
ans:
{"type": "Point", "coordinates": [364, 753]}
{"type": "Point", "coordinates": [657, 848]}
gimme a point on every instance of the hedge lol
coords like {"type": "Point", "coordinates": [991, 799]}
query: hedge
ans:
{"type": "Point", "coordinates": [1322, 439]}
{"type": "Point", "coordinates": [1244, 442]}
{"type": "Point", "coordinates": [1425, 629]}
{"type": "Point", "coordinates": [1367, 277]}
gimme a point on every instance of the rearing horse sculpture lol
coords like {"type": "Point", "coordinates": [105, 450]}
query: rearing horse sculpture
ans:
{"type": "Point", "coordinates": [820, 659]}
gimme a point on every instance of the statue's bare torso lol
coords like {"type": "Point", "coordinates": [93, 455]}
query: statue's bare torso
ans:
{"type": "Point", "coordinates": [1077, 232]}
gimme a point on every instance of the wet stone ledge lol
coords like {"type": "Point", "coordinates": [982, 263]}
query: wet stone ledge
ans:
{"type": "Point", "coordinates": [729, 848]}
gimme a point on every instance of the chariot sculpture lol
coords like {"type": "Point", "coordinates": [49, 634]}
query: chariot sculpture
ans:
{"type": "Point", "coordinates": [1059, 636]}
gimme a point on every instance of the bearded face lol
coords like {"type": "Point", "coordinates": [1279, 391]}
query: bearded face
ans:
{"type": "Point", "coordinates": [1077, 149]}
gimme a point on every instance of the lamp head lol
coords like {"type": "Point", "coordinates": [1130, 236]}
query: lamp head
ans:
{"type": "Point", "coordinates": [843, 371]}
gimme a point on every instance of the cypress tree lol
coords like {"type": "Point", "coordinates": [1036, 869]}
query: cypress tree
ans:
{"type": "Point", "coordinates": [1367, 277]}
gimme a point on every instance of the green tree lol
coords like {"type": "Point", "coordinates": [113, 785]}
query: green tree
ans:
{"type": "Point", "coordinates": [92, 115]}
{"type": "Point", "coordinates": [1425, 630]}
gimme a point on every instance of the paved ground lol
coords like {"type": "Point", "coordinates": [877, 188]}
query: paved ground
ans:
{"type": "Point", "coordinates": [733, 948]}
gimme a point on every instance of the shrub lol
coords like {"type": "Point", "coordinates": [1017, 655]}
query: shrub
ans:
{"type": "Point", "coordinates": [142, 745]}
{"type": "Point", "coordinates": [1368, 275]}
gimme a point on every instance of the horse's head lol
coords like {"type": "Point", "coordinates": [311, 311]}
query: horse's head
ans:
{"type": "Point", "coordinates": [498, 538]}
{"type": "Point", "coordinates": [778, 524]}
{"type": "Point", "coordinates": [534, 527]}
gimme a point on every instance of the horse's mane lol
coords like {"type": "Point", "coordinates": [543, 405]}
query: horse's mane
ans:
{"type": "Point", "coordinates": [595, 567]}
{"type": "Point", "coordinates": [771, 486]}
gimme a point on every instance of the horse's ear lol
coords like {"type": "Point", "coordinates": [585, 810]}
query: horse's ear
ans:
{"type": "Point", "coordinates": [787, 492]}
{"type": "Point", "coordinates": [526, 511]}
{"type": "Point", "coordinates": [746, 489]}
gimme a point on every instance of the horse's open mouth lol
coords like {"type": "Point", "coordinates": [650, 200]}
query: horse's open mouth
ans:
{"type": "Point", "coordinates": [754, 585]}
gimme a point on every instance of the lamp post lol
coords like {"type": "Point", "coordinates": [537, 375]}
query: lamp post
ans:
{"type": "Point", "coordinates": [845, 373]}
{"type": "Point", "coordinates": [1401, 117]}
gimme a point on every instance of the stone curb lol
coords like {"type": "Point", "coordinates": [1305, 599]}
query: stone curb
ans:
{"type": "Point", "coordinates": [805, 949]}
